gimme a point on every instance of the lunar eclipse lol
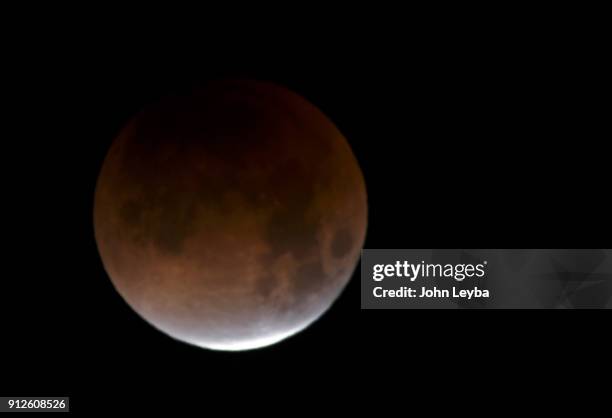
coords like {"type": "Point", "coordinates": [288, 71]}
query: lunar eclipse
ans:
{"type": "Point", "coordinates": [230, 217]}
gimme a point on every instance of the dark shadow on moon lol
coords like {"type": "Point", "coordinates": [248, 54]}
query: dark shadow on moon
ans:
{"type": "Point", "coordinates": [342, 243]}
{"type": "Point", "coordinates": [291, 225]}
{"type": "Point", "coordinates": [266, 284]}
{"type": "Point", "coordinates": [164, 220]}
{"type": "Point", "coordinates": [310, 277]}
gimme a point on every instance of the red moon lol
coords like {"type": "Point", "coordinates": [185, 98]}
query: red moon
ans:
{"type": "Point", "coordinates": [231, 217]}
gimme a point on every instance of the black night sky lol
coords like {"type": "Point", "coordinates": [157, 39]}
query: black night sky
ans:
{"type": "Point", "coordinates": [463, 144]}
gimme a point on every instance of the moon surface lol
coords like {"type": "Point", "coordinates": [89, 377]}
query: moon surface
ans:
{"type": "Point", "coordinates": [230, 217]}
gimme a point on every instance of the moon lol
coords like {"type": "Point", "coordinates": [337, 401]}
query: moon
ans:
{"type": "Point", "coordinates": [230, 217]}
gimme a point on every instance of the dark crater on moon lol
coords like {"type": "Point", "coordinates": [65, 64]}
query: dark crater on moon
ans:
{"type": "Point", "coordinates": [161, 219]}
{"type": "Point", "coordinates": [342, 243]}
